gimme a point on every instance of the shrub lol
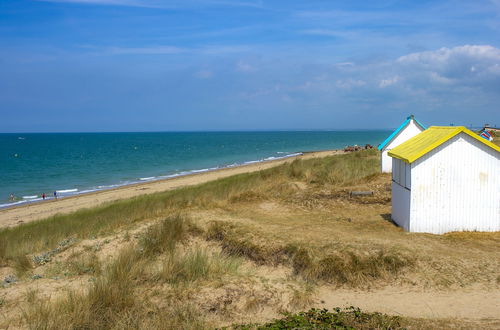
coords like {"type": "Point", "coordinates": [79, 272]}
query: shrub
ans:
{"type": "Point", "coordinates": [349, 318]}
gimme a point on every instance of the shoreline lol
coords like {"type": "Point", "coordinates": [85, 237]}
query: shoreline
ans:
{"type": "Point", "coordinates": [32, 211]}
{"type": "Point", "coordinates": [72, 192]}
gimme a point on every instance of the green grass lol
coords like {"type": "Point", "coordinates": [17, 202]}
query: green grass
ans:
{"type": "Point", "coordinates": [349, 318]}
{"type": "Point", "coordinates": [46, 234]}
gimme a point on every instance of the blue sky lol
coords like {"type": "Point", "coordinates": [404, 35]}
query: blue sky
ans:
{"type": "Point", "coordinates": [151, 65]}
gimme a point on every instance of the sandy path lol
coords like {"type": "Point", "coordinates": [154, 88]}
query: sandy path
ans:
{"type": "Point", "coordinates": [36, 211]}
{"type": "Point", "coordinates": [471, 303]}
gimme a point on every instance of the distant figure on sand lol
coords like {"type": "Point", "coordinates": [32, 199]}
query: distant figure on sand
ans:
{"type": "Point", "coordinates": [55, 194]}
{"type": "Point", "coordinates": [11, 197]}
{"type": "Point", "coordinates": [43, 196]}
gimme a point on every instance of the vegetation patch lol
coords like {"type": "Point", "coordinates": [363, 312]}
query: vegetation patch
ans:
{"type": "Point", "coordinates": [349, 318]}
{"type": "Point", "coordinates": [241, 245]}
{"type": "Point", "coordinates": [348, 267]}
{"type": "Point", "coordinates": [45, 234]}
{"type": "Point", "coordinates": [196, 264]}
{"type": "Point", "coordinates": [112, 301]}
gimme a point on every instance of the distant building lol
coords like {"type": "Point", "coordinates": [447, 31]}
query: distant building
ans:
{"type": "Point", "coordinates": [446, 179]}
{"type": "Point", "coordinates": [408, 129]}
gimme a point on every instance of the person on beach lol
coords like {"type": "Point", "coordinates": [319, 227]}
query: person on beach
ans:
{"type": "Point", "coordinates": [55, 194]}
{"type": "Point", "coordinates": [11, 197]}
{"type": "Point", "coordinates": [43, 196]}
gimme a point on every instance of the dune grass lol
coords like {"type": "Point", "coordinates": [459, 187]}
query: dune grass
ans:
{"type": "Point", "coordinates": [87, 223]}
{"type": "Point", "coordinates": [342, 268]}
{"type": "Point", "coordinates": [113, 302]}
{"type": "Point", "coordinates": [234, 249]}
{"type": "Point", "coordinates": [350, 268]}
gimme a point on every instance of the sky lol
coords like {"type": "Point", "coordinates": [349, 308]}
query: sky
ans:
{"type": "Point", "coordinates": [160, 65]}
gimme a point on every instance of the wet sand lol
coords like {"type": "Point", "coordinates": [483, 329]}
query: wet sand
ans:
{"type": "Point", "coordinates": [30, 212]}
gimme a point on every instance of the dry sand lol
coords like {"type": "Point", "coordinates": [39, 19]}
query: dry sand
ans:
{"type": "Point", "coordinates": [26, 213]}
{"type": "Point", "coordinates": [469, 303]}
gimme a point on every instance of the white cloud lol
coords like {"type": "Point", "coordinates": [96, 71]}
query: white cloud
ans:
{"type": "Point", "coordinates": [344, 64]}
{"type": "Point", "coordinates": [349, 83]}
{"type": "Point", "coordinates": [445, 55]}
{"type": "Point", "coordinates": [437, 78]}
{"type": "Point", "coordinates": [388, 82]}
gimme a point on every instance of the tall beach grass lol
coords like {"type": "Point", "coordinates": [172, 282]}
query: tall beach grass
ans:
{"type": "Point", "coordinates": [46, 234]}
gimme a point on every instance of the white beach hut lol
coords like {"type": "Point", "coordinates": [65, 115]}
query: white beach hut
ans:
{"type": "Point", "coordinates": [446, 179]}
{"type": "Point", "coordinates": [408, 129]}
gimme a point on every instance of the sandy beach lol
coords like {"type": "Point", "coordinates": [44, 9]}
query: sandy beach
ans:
{"type": "Point", "coordinates": [30, 212]}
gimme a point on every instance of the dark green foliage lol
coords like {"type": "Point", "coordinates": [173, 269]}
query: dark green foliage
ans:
{"type": "Point", "coordinates": [349, 318]}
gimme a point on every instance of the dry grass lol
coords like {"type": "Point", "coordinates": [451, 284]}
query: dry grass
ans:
{"type": "Point", "coordinates": [22, 264]}
{"type": "Point", "coordinates": [113, 301]}
{"type": "Point", "coordinates": [350, 268]}
{"type": "Point", "coordinates": [164, 236]}
{"type": "Point", "coordinates": [46, 234]}
{"type": "Point", "coordinates": [196, 264]}
{"type": "Point", "coordinates": [241, 248]}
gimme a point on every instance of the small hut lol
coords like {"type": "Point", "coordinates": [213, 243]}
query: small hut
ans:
{"type": "Point", "coordinates": [446, 179]}
{"type": "Point", "coordinates": [408, 129]}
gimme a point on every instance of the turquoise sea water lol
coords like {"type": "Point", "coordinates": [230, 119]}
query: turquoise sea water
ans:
{"type": "Point", "coordinates": [73, 163]}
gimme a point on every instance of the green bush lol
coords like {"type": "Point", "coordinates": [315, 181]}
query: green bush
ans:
{"type": "Point", "coordinates": [349, 318]}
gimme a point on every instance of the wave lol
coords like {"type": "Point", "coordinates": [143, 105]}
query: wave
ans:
{"type": "Point", "coordinates": [12, 204]}
{"type": "Point", "coordinates": [66, 191]}
{"type": "Point", "coordinates": [75, 191]}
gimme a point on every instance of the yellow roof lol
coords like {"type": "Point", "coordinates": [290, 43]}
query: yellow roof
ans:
{"type": "Point", "coordinates": [433, 137]}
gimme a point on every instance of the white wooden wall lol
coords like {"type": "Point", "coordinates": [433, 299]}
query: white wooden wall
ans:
{"type": "Point", "coordinates": [405, 134]}
{"type": "Point", "coordinates": [401, 185]}
{"type": "Point", "coordinates": [456, 187]}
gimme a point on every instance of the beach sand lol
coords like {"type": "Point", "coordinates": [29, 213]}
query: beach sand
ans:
{"type": "Point", "coordinates": [30, 212]}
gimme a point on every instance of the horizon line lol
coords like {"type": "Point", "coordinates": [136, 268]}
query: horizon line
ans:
{"type": "Point", "coordinates": [207, 131]}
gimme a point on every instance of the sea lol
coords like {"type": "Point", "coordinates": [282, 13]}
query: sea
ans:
{"type": "Point", "coordinates": [76, 163]}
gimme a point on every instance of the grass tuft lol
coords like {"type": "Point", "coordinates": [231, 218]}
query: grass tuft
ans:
{"type": "Point", "coordinates": [350, 268]}
{"type": "Point", "coordinates": [196, 264]}
{"type": "Point", "coordinates": [87, 263]}
{"type": "Point", "coordinates": [22, 265]}
{"type": "Point", "coordinates": [236, 244]}
{"type": "Point", "coordinates": [164, 236]}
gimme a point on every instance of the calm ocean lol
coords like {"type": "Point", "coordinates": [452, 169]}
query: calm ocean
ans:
{"type": "Point", "coordinates": [72, 163]}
